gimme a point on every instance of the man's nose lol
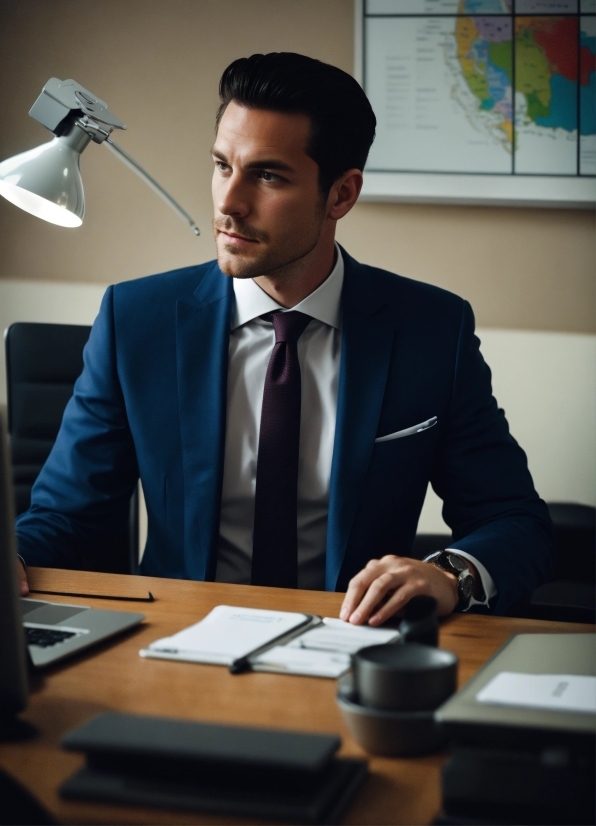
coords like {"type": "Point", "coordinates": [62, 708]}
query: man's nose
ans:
{"type": "Point", "coordinates": [232, 197]}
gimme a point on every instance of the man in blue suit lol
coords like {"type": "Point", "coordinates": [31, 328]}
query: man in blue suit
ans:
{"type": "Point", "coordinates": [286, 407]}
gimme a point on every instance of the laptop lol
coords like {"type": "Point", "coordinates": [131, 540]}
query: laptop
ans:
{"type": "Point", "coordinates": [522, 720]}
{"type": "Point", "coordinates": [52, 631]}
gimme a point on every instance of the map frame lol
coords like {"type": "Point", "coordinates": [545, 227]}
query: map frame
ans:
{"type": "Point", "coordinates": [518, 190]}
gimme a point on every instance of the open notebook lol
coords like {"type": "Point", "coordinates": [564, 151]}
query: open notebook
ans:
{"type": "Point", "coordinates": [262, 640]}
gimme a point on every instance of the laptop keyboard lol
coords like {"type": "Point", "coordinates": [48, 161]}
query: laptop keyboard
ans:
{"type": "Point", "coordinates": [45, 637]}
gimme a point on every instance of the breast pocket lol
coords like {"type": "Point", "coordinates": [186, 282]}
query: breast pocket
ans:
{"type": "Point", "coordinates": [408, 431]}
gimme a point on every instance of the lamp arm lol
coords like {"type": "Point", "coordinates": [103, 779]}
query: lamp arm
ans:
{"type": "Point", "coordinates": [151, 182]}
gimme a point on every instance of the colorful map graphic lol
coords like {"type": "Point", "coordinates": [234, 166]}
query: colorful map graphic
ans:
{"type": "Point", "coordinates": [485, 58]}
{"type": "Point", "coordinates": [546, 67]}
{"type": "Point", "coordinates": [587, 89]}
{"type": "Point", "coordinates": [482, 86]}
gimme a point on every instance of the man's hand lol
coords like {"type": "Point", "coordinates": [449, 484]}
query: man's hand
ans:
{"type": "Point", "coordinates": [23, 584]}
{"type": "Point", "coordinates": [384, 587]}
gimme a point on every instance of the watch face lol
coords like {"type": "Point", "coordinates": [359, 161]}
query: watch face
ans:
{"type": "Point", "coordinates": [457, 563]}
{"type": "Point", "coordinates": [466, 586]}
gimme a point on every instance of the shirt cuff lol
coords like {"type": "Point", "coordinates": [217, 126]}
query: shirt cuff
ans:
{"type": "Point", "coordinates": [488, 583]}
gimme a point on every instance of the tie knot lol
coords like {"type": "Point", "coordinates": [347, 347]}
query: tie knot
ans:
{"type": "Point", "coordinates": [288, 326]}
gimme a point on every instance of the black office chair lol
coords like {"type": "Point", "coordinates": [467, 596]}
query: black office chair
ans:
{"type": "Point", "coordinates": [427, 543]}
{"type": "Point", "coordinates": [43, 362]}
{"type": "Point", "coordinates": [571, 596]}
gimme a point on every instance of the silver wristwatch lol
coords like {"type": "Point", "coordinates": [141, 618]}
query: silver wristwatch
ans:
{"type": "Point", "coordinates": [456, 565]}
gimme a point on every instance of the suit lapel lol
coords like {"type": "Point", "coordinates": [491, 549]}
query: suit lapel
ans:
{"type": "Point", "coordinates": [367, 337]}
{"type": "Point", "coordinates": [202, 336]}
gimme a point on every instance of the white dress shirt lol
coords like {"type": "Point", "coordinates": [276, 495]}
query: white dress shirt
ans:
{"type": "Point", "coordinates": [319, 353]}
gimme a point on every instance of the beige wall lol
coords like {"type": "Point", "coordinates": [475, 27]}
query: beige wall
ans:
{"type": "Point", "coordinates": [157, 63]}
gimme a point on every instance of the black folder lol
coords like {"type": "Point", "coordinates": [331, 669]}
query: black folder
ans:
{"type": "Point", "coordinates": [176, 764]}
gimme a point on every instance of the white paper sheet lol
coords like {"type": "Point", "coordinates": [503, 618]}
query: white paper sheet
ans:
{"type": "Point", "coordinates": [229, 633]}
{"type": "Point", "coordinates": [289, 660]}
{"type": "Point", "coordinates": [226, 634]}
{"type": "Point", "coordinates": [559, 692]}
{"type": "Point", "coordinates": [339, 636]}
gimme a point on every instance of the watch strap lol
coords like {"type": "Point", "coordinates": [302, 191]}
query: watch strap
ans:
{"type": "Point", "coordinates": [465, 589]}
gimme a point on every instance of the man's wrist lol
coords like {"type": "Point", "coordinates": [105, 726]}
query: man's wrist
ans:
{"type": "Point", "coordinates": [453, 585]}
{"type": "Point", "coordinates": [478, 592]}
{"type": "Point", "coordinates": [464, 575]}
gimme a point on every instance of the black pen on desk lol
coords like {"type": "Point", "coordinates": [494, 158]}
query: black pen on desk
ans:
{"type": "Point", "coordinates": [148, 598]}
{"type": "Point", "coordinates": [242, 664]}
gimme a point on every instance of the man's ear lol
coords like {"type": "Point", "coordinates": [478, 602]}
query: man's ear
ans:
{"type": "Point", "coordinates": [344, 194]}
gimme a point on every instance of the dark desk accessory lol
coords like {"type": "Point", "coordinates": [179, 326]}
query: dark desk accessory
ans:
{"type": "Point", "coordinates": [388, 700]}
{"type": "Point", "coordinates": [242, 772]}
{"type": "Point", "coordinates": [505, 786]}
{"type": "Point", "coordinates": [389, 733]}
{"type": "Point", "coordinates": [411, 677]}
{"type": "Point", "coordinates": [13, 729]}
{"type": "Point", "coordinates": [420, 622]}
{"type": "Point", "coordinates": [18, 806]}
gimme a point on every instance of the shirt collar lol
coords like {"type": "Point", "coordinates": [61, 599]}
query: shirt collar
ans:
{"type": "Point", "coordinates": [324, 304]}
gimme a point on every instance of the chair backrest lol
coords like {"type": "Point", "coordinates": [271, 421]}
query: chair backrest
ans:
{"type": "Point", "coordinates": [426, 544]}
{"type": "Point", "coordinates": [43, 361]}
{"type": "Point", "coordinates": [575, 534]}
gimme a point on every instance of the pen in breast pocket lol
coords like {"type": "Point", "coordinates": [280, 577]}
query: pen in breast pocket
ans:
{"type": "Point", "coordinates": [409, 431]}
{"type": "Point", "coordinates": [426, 425]}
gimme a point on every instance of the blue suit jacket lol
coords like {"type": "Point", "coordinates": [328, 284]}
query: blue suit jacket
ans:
{"type": "Point", "coordinates": [151, 401]}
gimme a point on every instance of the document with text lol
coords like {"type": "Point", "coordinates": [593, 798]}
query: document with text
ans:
{"type": "Point", "coordinates": [278, 641]}
{"type": "Point", "coordinates": [557, 692]}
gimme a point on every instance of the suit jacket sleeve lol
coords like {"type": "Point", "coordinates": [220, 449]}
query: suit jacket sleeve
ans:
{"type": "Point", "coordinates": [81, 498]}
{"type": "Point", "coordinates": [482, 475]}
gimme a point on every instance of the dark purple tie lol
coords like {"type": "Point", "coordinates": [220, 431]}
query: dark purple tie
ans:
{"type": "Point", "coordinates": [275, 537]}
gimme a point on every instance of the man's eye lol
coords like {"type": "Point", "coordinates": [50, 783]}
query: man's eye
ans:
{"type": "Point", "coordinates": [223, 167]}
{"type": "Point", "coordinates": [268, 176]}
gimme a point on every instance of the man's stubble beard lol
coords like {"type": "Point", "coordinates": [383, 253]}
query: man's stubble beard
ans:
{"type": "Point", "coordinates": [276, 264]}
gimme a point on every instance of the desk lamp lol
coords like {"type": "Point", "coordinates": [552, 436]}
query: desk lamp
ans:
{"type": "Point", "coordinates": [46, 181]}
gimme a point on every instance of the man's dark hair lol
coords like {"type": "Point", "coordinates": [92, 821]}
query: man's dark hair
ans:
{"type": "Point", "coordinates": [343, 122]}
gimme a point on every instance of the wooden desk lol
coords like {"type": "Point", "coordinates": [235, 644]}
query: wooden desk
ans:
{"type": "Point", "coordinates": [114, 677]}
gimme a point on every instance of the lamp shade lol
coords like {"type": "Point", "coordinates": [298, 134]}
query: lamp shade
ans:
{"type": "Point", "coordinates": [46, 181]}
